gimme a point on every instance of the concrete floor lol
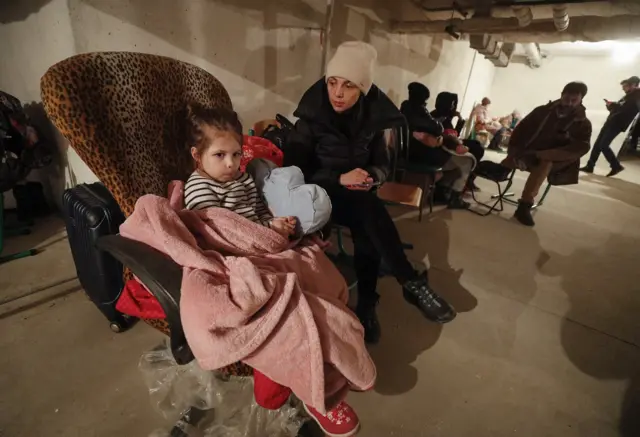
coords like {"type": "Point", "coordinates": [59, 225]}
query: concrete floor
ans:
{"type": "Point", "coordinates": [546, 342]}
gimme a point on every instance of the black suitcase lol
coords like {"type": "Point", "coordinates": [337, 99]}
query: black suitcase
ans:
{"type": "Point", "coordinates": [91, 212]}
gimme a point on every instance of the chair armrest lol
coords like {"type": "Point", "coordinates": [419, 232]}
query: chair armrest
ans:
{"type": "Point", "coordinates": [162, 277]}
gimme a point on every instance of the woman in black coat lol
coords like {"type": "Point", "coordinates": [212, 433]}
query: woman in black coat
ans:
{"type": "Point", "coordinates": [427, 146]}
{"type": "Point", "coordinates": [339, 144]}
{"type": "Point", "coordinates": [446, 110]}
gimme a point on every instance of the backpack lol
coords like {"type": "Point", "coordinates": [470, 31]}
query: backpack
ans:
{"type": "Point", "coordinates": [21, 148]}
{"type": "Point", "coordinates": [278, 135]}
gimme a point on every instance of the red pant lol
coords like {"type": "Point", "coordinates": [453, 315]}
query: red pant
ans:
{"type": "Point", "coordinates": [269, 394]}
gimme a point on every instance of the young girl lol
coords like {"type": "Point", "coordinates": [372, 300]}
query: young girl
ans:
{"type": "Point", "coordinates": [214, 140]}
{"type": "Point", "coordinates": [215, 143]}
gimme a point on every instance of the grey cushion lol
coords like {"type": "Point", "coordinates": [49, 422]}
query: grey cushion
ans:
{"type": "Point", "coordinates": [286, 194]}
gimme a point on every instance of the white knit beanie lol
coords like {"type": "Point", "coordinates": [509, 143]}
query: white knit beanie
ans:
{"type": "Point", "coordinates": [354, 61]}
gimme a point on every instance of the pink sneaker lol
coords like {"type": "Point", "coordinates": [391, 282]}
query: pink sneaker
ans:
{"type": "Point", "coordinates": [342, 421]}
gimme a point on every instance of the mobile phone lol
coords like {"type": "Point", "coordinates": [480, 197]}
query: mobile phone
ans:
{"type": "Point", "coordinates": [371, 184]}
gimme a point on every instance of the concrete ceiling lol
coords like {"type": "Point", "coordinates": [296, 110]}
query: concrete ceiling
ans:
{"type": "Point", "coordinates": [590, 21]}
{"type": "Point", "coordinates": [602, 48]}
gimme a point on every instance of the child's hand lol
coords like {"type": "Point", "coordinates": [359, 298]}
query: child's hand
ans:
{"type": "Point", "coordinates": [285, 226]}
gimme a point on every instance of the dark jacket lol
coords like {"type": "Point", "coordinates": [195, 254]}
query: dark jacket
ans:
{"type": "Point", "coordinates": [446, 109]}
{"type": "Point", "coordinates": [419, 120]}
{"type": "Point", "coordinates": [325, 144]}
{"type": "Point", "coordinates": [624, 111]}
{"type": "Point", "coordinates": [543, 135]}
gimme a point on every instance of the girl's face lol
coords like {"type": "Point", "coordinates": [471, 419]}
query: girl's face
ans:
{"type": "Point", "coordinates": [343, 94]}
{"type": "Point", "coordinates": [220, 159]}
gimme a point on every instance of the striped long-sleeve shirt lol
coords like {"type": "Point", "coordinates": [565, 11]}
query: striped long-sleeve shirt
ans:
{"type": "Point", "coordinates": [240, 196]}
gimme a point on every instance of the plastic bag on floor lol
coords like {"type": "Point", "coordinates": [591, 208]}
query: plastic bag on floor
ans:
{"type": "Point", "coordinates": [229, 405]}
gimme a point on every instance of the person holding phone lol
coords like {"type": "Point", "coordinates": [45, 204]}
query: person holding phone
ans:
{"type": "Point", "coordinates": [621, 114]}
{"type": "Point", "coordinates": [339, 143]}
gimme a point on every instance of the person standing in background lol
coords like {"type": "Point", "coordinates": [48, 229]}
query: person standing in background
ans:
{"type": "Point", "coordinates": [621, 114]}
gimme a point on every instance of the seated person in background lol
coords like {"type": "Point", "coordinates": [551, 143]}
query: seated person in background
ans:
{"type": "Point", "coordinates": [446, 110]}
{"type": "Point", "coordinates": [426, 147]}
{"type": "Point", "coordinates": [508, 124]}
{"type": "Point", "coordinates": [482, 119]}
{"type": "Point", "coordinates": [549, 143]}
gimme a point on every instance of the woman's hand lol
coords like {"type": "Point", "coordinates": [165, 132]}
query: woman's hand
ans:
{"type": "Point", "coordinates": [461, 149]}
{"type": "Point", "coordinates": [285, 226]}
{"type": "Point", "coordinates": [427, 140]}
{"type": "Point", "coordinates": [355, 177]}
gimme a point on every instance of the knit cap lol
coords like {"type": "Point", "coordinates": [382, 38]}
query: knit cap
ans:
{"type": "Point", "coordinates": [354, 61]}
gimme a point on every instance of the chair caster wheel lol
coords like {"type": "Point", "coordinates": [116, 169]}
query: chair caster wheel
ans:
{"type": "Point", "coordinates": [116, 327]}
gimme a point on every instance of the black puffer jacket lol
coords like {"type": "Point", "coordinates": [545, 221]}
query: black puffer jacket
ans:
{"type": "Point", "coordinates": [325, 144]}
{"type": "Point", "coordinates": [419, 120]}
{"type": "Point", "coordinates": [446, 108]}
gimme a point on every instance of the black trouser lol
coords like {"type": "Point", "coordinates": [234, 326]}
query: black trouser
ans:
{"type": "Point", "coordinates": [603, 145]}
{"type": "Point", "coordinates": [374, 236]}
{"type": "Point", "coordinates": [497, 138]}
{"type": "Point", "coordinates": [475, 148]}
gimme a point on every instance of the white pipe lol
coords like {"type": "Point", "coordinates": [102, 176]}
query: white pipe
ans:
{"type": "Point", "coordinates": [561, 17]}
{"type": "Point", "coordinates": [583, 28]}
{"type": "Point", "coordinates": [532, 52]}
{"type": "Point", "coordinates": [326, 35]}
{"type": "Point", "coordinates": [524, 15]}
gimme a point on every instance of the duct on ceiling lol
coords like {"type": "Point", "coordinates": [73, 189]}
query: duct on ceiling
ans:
{"type": "Point", "coordinates": [524, 15]}
{"type": "Point", "coordinates": [585, 28]}
{"type": "Point", "coordinates": [561, 17]}
{"type": "Point", "coordinates": [532, 52]}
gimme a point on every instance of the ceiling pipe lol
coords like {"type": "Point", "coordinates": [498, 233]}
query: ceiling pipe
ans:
{"type": "Point", "coordinates": [326, 36]}
{"type": "Point", "coordinates": [561, 17]}
{"type": "Point", "coordinates": [584, 28]}
{"type": "Point", "coordinates": [426, 4]}
{"type": "Point", "coordinates": [532, 52]}
{"type": "Point", "coordinates": [524, 15]}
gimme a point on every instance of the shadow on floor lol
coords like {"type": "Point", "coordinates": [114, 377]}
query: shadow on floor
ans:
{"type": "Point", "coordinates": [406, 333]}
{"type": "Point", "coordinates": [618, 189]}
{"type": "Point", "coordinates": [445, 278]}
{"type": "Point", "coordinates": [603, 305]}
{"type": "Point", "coordinates": [44, 232]}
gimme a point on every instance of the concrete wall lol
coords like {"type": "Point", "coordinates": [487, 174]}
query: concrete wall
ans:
{"type": "Point", "coordinates": [521, 87]}
{"type": "Point", "coordinates": [265, 58]}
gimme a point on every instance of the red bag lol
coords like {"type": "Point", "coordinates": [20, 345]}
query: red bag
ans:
{"type": "Point", "coordinates": [258, 147]}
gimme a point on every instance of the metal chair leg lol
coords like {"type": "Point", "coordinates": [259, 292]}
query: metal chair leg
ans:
{"type": "Point", "coordinates": [22, 230]}
{"type": "Point", "coordinates": [422, 197]}
{"type": "Point", "coordinates": [544, 195]}
{"type": "Point", "coordinates": [500, 198]}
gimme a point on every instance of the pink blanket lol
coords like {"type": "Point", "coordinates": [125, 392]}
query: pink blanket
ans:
{"type": "Point", "coordinates": [247, 296]}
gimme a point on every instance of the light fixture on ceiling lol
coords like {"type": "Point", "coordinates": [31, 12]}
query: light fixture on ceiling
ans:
{"type": "Point", "coordinates": [625, 52]}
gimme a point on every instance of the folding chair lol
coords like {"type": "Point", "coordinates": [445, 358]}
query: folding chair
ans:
{"type": "Point", "coordinates": [498, 174]}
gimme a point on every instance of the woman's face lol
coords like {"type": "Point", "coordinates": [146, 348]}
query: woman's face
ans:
{"type": "Point", "coordinates": [343, 94]}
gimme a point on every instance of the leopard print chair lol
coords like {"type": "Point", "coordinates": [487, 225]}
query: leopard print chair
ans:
{"type": "Point", "coordinates": [123, 115]}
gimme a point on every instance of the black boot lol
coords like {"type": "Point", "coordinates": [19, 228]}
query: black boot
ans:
{"type": "Point", "coordinates": [587, 169]}
{"type": "Point", "coordinates": [366, 312]}
{"type": "Point", "coordinates": [418, 292]}
{"type": "Point", "coordinates": [441, 195]}
{"type": "Point", "coordinates": [614, 171]}
{"type": "Point", "coordinates": [457, 202]}
{"type": "Point", "coordinates": [523, 213]}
